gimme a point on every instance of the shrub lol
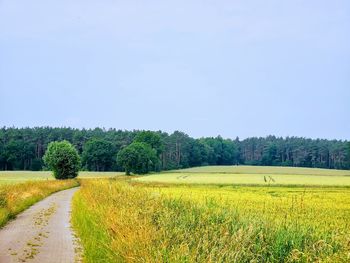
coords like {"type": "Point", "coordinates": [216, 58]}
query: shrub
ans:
{"type": "Point", "coordinates": [63, 159]}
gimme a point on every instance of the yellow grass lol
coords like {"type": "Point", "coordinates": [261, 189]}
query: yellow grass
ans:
{"type": "Point", "coordinates": [14, 198]}
{"type": "Point", "coordinates": [134, 222]}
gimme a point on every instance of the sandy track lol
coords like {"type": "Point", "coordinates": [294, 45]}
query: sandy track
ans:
{"type": "Point", "coordinates": [42, 233]}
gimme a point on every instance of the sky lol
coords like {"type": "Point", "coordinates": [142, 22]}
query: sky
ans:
{"type": "Point", "coordinates": [230, 67]}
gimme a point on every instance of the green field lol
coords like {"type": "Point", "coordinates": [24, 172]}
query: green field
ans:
{"type": "Point", "coordinates": [12, 177]}
{"type": "Point", "coordinates": [218, 175]}
{"type": "Point", "coordinates": [246, 169]}
{"type": "Point", "coordinates": [253, 175]}
{"type": "Point", "coordinates": [208, 223]}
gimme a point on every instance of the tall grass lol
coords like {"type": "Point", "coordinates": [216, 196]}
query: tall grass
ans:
{"type": "Point", "coordinates": [15, 198]}
{"type": "Point", "coordinates": [123, 222]}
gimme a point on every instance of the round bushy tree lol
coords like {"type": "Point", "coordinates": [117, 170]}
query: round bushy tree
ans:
{"type": "Point", "coordinates": [98, 155]}
{"type": "Point", "coordinates": [151, 138]}
{"type": "Point", "coordinates": [63, 159]}
{"type": "Point", "coordinates": [137, 158]}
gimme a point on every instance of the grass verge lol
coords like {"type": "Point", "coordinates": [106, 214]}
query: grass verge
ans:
{"type": "Point", "coordinates": [15, 198]}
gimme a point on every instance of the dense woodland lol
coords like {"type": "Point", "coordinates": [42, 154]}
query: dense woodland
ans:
{"type": "Point", "coordinates": [23, 149]}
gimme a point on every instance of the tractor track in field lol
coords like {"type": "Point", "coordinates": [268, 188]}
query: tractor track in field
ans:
{"type": "Point", "coordinates": [42, 233]}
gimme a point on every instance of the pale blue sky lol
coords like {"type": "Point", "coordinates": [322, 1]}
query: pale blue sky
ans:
{"type": "Point", "coordinates": [235, 68]}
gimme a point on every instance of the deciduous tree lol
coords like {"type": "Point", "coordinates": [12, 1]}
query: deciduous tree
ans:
{"type": "Point", "coordinates": [63, 159]}
{"type": "Point", "coordinates": [137, 158]}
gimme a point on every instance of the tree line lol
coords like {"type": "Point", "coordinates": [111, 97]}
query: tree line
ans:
{"type": "Point", "coordinates": [23, 149]}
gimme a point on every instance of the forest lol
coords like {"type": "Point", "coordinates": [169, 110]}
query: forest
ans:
{"type": "Point", "coordinates": [23, 149]}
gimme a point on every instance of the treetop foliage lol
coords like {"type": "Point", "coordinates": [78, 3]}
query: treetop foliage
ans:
{"type": "Point", "coordinates": [138, 158]}
{"type": "Point", "coordinates": [98, 155]}
{"type": "Point", "coordinates": [23, 149]}
{"type": "Point", "coordinates": [153, 139]}
{"type": "Point", "coordinates": [63, 159]}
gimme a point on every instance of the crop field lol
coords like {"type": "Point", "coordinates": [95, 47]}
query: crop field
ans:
{"type": "Point", "coordinates": [246, 169]}
{"type": "Point", "coordinates": [132, 222]}
{"type": "Point", "coordinates": [13, 177]}
{"type": "Point", "coordinates": [253, 175]}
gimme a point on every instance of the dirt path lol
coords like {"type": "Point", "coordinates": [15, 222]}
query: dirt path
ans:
{"type": "Point", "coordinates": [42, 233]}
